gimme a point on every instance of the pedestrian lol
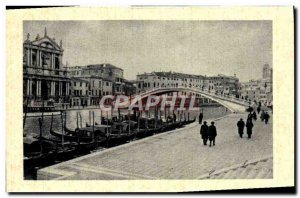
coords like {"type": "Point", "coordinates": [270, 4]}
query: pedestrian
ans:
{"type": "Point", "coordinates": [204, 133]}
{"type": "Point", "coordinates": [200, 118]}
{"type": "Point", "coordinates": [249, 126]}
{"type": "Point", "coordinates": [212, 133]}
{"type": "Point", "coordinates": [250, 116]}
{"type": "Point", "coordinates": [262, 116]}
{"type": "Point", "coordinates": [254, 116]}
{"type": "Point", "coordinates": [266, 117]}
{"type": "Point", "coordinates": [241, 125]}
{"type": "Point", "coordinates": [258, 109]}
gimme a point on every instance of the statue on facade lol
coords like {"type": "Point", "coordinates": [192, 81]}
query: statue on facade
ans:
{"type": "Point", "coordinates": [45, 33]}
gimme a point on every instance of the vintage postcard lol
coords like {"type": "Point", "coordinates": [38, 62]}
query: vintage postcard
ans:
{"type": "Point", "coordinates": [149, 99]}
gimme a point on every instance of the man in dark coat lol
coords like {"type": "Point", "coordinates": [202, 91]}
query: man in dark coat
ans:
{"type": "Point", "coordinates": [258, 109]}
{"type": "Point", "coordinates": [250, 116]}
{"type": "Point", "coordinates": [204, 133]}
{"type": "Point", "coordinates": [212, 133]}
{"type": "Point", "coordinates": [241, 125]}
{"type": "Point", "coordinates": [200, 118]}
{"type": "Point", "coordinates": [254, 116]}
{"type": "Point", "coordinates": [249, 126]}
{"type": "Point", "coordinates": [262, 116]}
{"type": "Point", "coordinates": [266, 117]}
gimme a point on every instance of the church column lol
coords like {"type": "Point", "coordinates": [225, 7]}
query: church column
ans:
{"type": "Point", "coordinates": [60, 88]}
{"type": "Point", "coordinates": [52, 88]}
{"type": "Point", "coordinates": [28, 56]}
{"type": "Point", "coordinates": [67, 88]}
{"type": "Point", "coordinates": [37, 58]}
{"type": "Point", "coordinates": [40, 87]}
{"type": "Point", "coordinates": [40, 59]}
{"type": "Point", "coordinates": [52, 61]}
{"type": "Point", "coordinates": [37, 88]}
{"type": "Point", "coordinates": [28, 87]}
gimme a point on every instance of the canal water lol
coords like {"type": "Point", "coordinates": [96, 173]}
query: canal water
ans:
{"type": "Point", "coordinates": [32, 124]}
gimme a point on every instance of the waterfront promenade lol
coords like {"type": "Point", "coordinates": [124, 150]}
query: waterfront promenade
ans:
{"type": "Point", "coordinates": [178, 154]}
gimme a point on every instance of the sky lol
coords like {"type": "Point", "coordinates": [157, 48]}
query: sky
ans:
{"type": "Point", "coordinates": [193, 47]}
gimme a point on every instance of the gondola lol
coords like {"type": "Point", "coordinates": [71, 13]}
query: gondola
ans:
{"type": "Point", "coordinates": [32, 152]}
{"type": "Point", "coordinates": [119, 133]}
{"type": "Point", "coordinates": [38, 151]}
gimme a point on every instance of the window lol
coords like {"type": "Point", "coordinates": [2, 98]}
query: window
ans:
{"type": "Point", "coordinates": [80, 84]}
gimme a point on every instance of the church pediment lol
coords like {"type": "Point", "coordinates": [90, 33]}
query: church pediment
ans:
{"type": "Point", "coordinates": [47, 42]}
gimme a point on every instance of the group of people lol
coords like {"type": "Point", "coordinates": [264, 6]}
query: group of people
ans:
{"type": "Point", "coordinates": [208, 132]}
{"type": "Point", "coordinates": [249, 124]}
{"type": "Point", "coordinates": [264, 116]}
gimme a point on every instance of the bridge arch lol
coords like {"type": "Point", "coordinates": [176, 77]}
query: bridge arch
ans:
{"type": "Point", "coordinates": [231, 103]}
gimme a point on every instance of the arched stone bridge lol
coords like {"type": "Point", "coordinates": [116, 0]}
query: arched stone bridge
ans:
{"type": "Point", "coordinates": [229, 101]}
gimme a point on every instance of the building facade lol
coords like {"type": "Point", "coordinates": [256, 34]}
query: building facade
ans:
{"type": "Point", "coordinates": [45, 80]}
{"type": "Point", "coordinates": [109, 73]}
{"type": "Point", "coordinates": [79, 92]}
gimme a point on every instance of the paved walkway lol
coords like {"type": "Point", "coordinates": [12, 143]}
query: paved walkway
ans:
{"type": "Point", "coordinates": [173, 155]}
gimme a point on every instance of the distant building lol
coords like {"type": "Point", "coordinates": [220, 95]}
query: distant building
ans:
{"type": "Point", "coordinates": [222, 84]}
{"type": "Point", "coordinates": [45, 81]}
{"type": "Point", "coordinates": [260, 90]}
{"type": "Point", "coordinates": [153, 80]}
{"type": "Point", "coordinates": [216, 84]}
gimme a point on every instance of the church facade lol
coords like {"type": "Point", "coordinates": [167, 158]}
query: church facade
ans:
{"type": "Point", "coordinates": [45, 79]}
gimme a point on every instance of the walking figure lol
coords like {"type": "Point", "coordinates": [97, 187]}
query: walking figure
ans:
{"type": "Point", "coordinates": [249, 126]}
{"type": "Point", "coordinates": [204, 133]}
{"type": "Point", "coordinates": [250, 116]}
{"type": "Point", "coordinates": [212, 133]}
{"type": "Point", "coordinates": [200, 118]}
{"type": "Point", "coordinates": [254, 116]}
{"type": "Point", "coordinates": [241, 125]}
{"type": "Point", "coordinates": [258, 109]}
{"type": "Point", "coordinates": [262, 116]}
{"type": "Point", "coordinates": [266, 117]}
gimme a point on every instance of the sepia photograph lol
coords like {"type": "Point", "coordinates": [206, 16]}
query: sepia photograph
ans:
{"type": "Point", "coordinates": [149, 99]}
{"type": "Point", "coordinates": [183, 102]}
